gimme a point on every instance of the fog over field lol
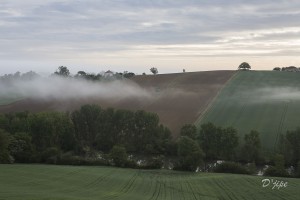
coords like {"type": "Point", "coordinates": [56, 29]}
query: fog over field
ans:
{"type": "Point", "coordinates": [269, 94]}
{"type": "Point", "coordinates": [178, 99]}
{"type": "Point", "coordinates": [279, 93]}
{"type": "Point", "coordinates": [70, 88]}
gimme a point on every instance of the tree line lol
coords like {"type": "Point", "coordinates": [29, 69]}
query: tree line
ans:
{"type": "Point", "coordinates": [237, 155]}
{"type": "Point", "coordinates": [92, 135]}
{"type": "Point", "coordinates": [64, 72]}
{"type": "Point", "coordinates": [287, 69]}
{"type": "Point", "coordinates": [47, 136]}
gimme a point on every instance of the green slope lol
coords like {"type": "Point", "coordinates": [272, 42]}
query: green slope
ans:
{"type": "Point", "coordinates": [266, 101]}
{"type": "Point", "coordinates": [5, 101]}
{"type": "Point", "coordinates": [34, 182]}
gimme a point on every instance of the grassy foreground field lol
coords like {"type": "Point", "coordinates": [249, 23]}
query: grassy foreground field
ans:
{"type": "Point", "coordinates": [69, 182]}
{"type": "Point", "coordinates": [266, 101]}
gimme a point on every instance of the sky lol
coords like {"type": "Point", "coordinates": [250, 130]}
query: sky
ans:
{"type": "Point", "coordinates": [135, 35]}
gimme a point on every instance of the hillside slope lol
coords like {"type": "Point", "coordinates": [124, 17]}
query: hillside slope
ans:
{"type": "Point", "coordinates": [266, 101]}
{"type": "Point", "coordinates": [177, 98]}
{"type": "Point", "coordinates": [183, 97]}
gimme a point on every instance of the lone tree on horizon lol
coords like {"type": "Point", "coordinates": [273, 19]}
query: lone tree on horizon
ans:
{"type": "Point", "coordinates": [244, 66]}
{"type": "Point", "coordinates": [154, 70]}
{"type": "Point", "coordinates": [62, 71]}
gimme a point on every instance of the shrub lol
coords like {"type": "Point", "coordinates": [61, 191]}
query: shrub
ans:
{"type": "Point", "coordinates": [298, 170]}
{"type": "Point", "coordinates": [77, 160]}
{"type": "Point", "coordinates": [274, 171]}
{"type": "Point", "coordinates": [278, 169]}
{"type": "Point", "coordinates": [230, 167]}
{"type": "Point", "coordinates": [190, 155]}
{"type": "Point", "coordinates": [50, 155]}
{"type": "Point", "coordinates": [130, 164]}
{"type": "Point", "coordinates": [21, 149]}
{"type": "Point", "coordinates": [153, 163]}
{"type": "Point", "coordinates": [251, 167]}
{"type": "Point", "coordinates": [119, 156]}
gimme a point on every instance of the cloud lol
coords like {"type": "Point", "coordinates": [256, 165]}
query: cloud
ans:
{"type": "Point", "coordinates": [99, 30]}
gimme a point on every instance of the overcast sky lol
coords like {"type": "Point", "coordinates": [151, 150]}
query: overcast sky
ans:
{"type": "Point", "coordinates": [134, 35]}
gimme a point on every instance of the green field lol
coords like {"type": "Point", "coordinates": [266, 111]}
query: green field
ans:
{"type": "Point", "coordinates": [5, 101]}
{"type": "Point", "coordinates": [52, 182]}
{"type": "Point", "coordinates": [266, 101]}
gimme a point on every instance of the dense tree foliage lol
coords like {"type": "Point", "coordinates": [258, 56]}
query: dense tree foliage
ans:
{"type": "Point", "coordinates": [231, 167]}
{"type": "Point", "coordinates": [62, 71]}
{"type": "Point", "coordinates": [218, 142]}
{"type": "Point", "coordinates": [290, 69]}
{"type": "Point", "coordinates": [251, 150]}
{"type": "Point", "coordinates": [127, 74]}
{"type": "Point", "coordinates": [276, 69]}
{"type": "Point", "coordinates": [137, 131]}
{"type": "Point", "coordinates": [8, 78]}
{"type": "Point", "coordinates": [279, 167]}
{"type": "Point", "coordinates": [189, 130]}
{"type": "Point", "coordinates": [21, 147]}
{"type": "Point", "coordinates": [88, 76]}
{"type": "Point", "coordinates": [96, 136]}
{"type": "Point", "coordinates": [119, 156]}
{"type": "Point", "coordinates": [290, 146]}
{"type": "Point", "coordinates": [4, 143]}
{"type": "Point", "coordinates": [298, 170]}
{"type": "Point", "coordinates": [287, 69]}
{"type": "Point", "coordinates": [43, 137]}
{"type": "Point", "coordinates": [190, 154]}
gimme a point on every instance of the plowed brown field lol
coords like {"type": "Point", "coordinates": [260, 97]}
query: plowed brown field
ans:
{"type": "Point", "coordinates": [178, 98]}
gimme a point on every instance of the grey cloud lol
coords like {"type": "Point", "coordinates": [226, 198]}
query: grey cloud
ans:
{"type": "Point", "coordinates": [58, 29]}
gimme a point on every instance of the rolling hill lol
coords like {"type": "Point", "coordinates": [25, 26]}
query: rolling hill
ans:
{"type": "Point", "coordinates": [266, 101]}
{"type": "Point", "coordinates": [177, 98]}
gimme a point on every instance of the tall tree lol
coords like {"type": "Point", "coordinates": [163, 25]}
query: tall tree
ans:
{"type": "Point", "coordinates": [290, 146]}
{"type": "Point", "coordinates": [252, 147]}
{"type": "Point", "coordinates": [81, 74]}
{"type": "Point", "coordinates": [189, 130]}
{"type": "Point", "coordinates": [190, 154]}
{"type": "Point", "coordinates": [62, 71]}
{"type": "Point", "coordinates": [229, 142]}
{"type": "Point", "coordinates": [218, 142]}
{"type": "Point", "coordinates": [107, 135]}
{"type": "Point", "coordinates": [279, 168]}
{"type": "Point", "coordinates": [119, 156]}
{"type": "Point", "coordinates": [50, 129]}
{"type": "Point", "coordinates": [4, 143]}
{"type": "Point", "coordinates": [245, 66]}
{"type": "Point", "coordinates": [86, 124]}
{"type": "Point", "coordinates": [154, 70]}
{"type": "Point", "coordinates": [209, 140]}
